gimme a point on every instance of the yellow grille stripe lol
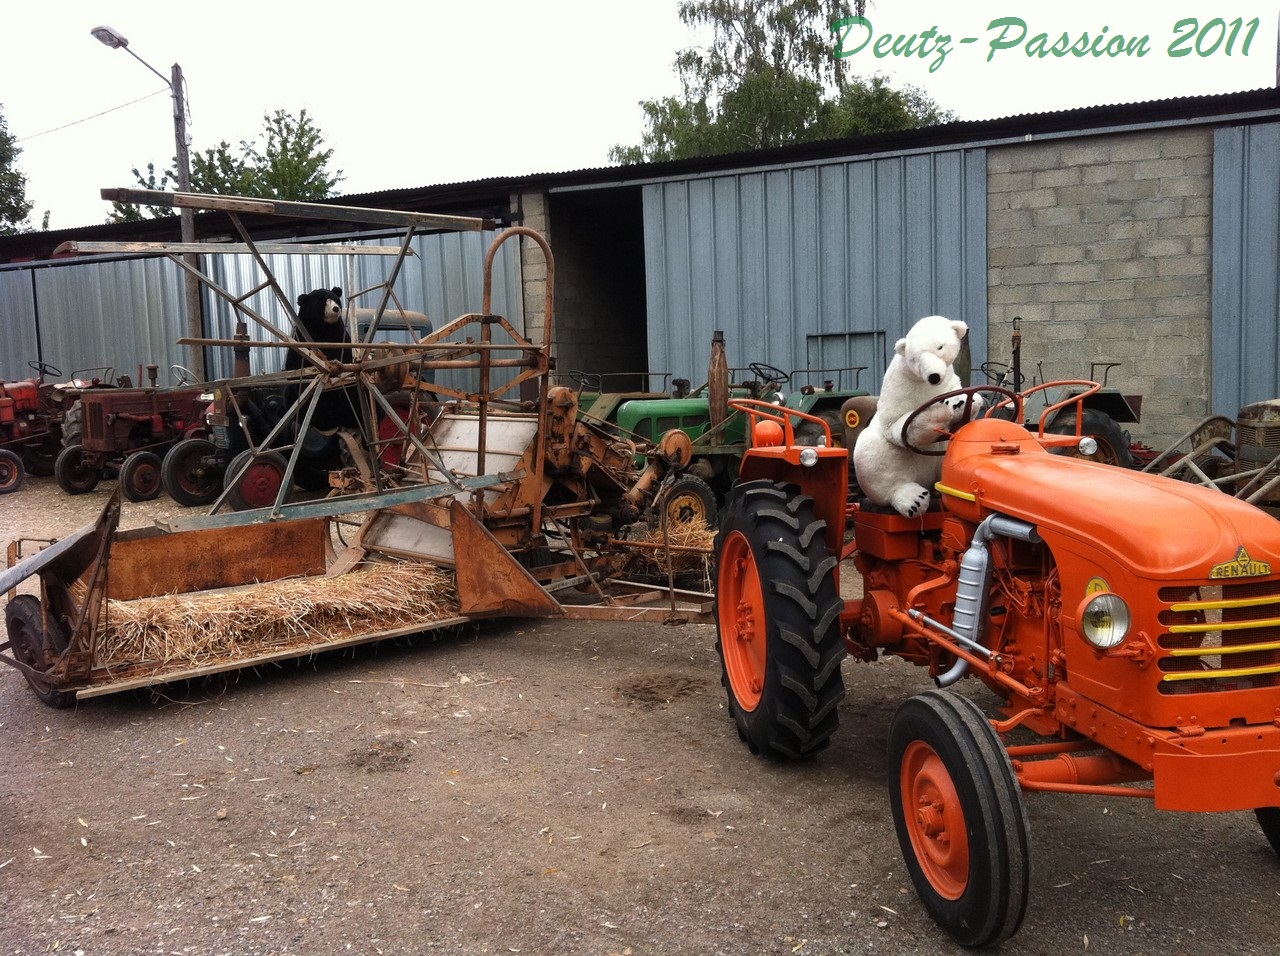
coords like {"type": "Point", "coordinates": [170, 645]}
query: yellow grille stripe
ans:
{"type": "Point", "coordinates": [1223, 626]}
{"type": "Point", "coordinates": [1223, 672]}
{"type": "Point", "coordinates": [1227, 649]}
{"type": "Point", "coordinates": [1225, 605]}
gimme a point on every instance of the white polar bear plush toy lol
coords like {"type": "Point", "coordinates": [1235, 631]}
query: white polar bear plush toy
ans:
{"type": "Point", "coordinates": [888, 471]}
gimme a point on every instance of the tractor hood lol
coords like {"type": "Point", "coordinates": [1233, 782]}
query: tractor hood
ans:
{"type": "Point", "coordinates": [1157, 526]}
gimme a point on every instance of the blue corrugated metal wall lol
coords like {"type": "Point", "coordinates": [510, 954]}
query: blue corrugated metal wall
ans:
{"type": "Point", "coordinates": [815, 267]}
{"type": "Point", "coordinates": [130, 312]}
{"type": "Point", "coordinates": [1246, 266]}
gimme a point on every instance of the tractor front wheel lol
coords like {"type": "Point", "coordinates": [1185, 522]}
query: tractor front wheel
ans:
{"type": "Point", "coordinates": [140, 476]}
{"type": "Point", "coordinates": [778, 621]}
{"type": "Point", "coordinates": [688, 503]}
{"type": "Point", "coordinates": [35, 647]}
{"type": "Point", "coordinates": [960, 818]}
{"type": "Point", "coordinates": [76, 473]}
{"type": "Point", "coordinates": [11, 471]}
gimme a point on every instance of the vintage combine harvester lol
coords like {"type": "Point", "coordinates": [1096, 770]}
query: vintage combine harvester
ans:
{"type": "Point", "coordinates": [537, 501]}
{"type": "Point", "coordinates": [1130, 622]}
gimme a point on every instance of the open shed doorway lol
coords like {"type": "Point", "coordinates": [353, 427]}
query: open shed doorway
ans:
{"type": "Point", "coordinates": [597, 237]}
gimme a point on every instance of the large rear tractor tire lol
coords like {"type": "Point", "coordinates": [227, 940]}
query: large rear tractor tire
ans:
{"type": "Point", "coordinates": [778, 621]}
{"type": "Point", "coordinates": [960, 818]}
{"type": "Point", "coordinates": [11, 471]}
{"type": "Point", "coordinates": [73, 425]}
{"type": "Point", "coordinates": [140, 476]}
{"type": "Point", "coordinates": [191, 474]}
{"type": "Point", "coordinates": [1113, 447]}
{"type": "Point", "coordinates": [75, 472]}
{"type": "Point", "coordinates": [35, 647]}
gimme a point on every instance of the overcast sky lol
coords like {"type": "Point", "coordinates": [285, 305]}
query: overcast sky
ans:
{"type": "Point", "coordinates": [425, 92]}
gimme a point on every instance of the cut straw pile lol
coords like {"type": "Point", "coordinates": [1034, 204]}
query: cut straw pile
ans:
{"type": "Point", "coordinates": [210, 626]}
{"type": "Point", "coordinates": [658, 560]}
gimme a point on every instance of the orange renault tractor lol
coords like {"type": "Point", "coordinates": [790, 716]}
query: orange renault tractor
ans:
{"type": "Point", "coordinates": [1130, 623]}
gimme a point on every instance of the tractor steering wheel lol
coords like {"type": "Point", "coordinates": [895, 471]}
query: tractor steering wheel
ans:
{"type": "Point", "coordinates": [967, 415]}
{"type": "Point", "coordinates": [183, 375]}
{"type": "Point", "coordinates": [44, 368]}
{"type": "Point", "coordinates": [768, 373]}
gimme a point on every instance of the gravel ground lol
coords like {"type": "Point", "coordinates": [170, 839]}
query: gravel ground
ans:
{"type": "Point", "coordinates": [529, 787]}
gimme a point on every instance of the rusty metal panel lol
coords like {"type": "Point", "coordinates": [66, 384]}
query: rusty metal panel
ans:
{"type": "Point", "coordinates": [1246, 282]}
{"type": "Point", "coordinates": [216, 558]}
{"type": "Point", "coordinates": [815, 265]}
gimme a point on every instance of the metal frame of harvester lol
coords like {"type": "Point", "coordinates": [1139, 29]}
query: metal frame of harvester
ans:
{"type": "Point", "coordinates": [537, 500]}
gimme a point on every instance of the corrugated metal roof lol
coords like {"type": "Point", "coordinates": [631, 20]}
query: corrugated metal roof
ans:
{"type": "Point", "coordinates": [491, 194]}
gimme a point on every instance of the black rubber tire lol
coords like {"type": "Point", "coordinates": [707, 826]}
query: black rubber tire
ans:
{"type": "Point", "coordinates": [687, 501]}
{"type": "Point", "coordinates": [986, 811]}
{"type": "Point", "coordinates": [11, 471]}
{"type": "Point", "coordinates": [259, 485]}
{"type": "Point", "coordinates": [771, 550]}
{"type": "Point", "coordinates": [75, 475]}
{"type": "Point", "coordinates": [38, 459]}
{"type": "Point", "coordinates": [1113, 447]}
{"type": "Point", "coordinates": [140, 476]}
{"type": "Point", "coordinates": [33, 647]}
{"type": "Point", "coordinates": [811, 433]}
{"type": "Point", "coordinates": [191, 473]}
{"type": "Point", "coordinates": [73, 425]}
{"type": "Point", "coordinates": [1269, 820]}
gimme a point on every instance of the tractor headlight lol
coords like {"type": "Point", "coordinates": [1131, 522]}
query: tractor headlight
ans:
{"type": "Point", "coordinates": [1088, 445]}
{"type": "Point", "coordinates": [808, 456]}
{"type": "Point", "coordinates": [1104, 620]}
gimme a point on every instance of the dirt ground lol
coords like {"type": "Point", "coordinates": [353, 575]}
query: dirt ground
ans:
{"type": "Point", "coordinates": [529, 787]}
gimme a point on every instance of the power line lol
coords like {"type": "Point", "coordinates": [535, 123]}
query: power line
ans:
{"type": "Point", "coordinates": [87, 118]}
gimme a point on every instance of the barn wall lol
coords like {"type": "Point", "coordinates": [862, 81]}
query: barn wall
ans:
{"type": "Point", "coordinates": [1101, 245]}
{"type": "Point", "coordinates": [819, 266]}
{"type": "Point", "coordinates": [1246, 266]}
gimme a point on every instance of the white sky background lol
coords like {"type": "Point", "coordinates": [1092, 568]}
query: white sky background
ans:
{"type": "Point", "coordinates": [426, 92]}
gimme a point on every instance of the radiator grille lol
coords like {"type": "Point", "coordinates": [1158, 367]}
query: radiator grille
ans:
{"type": "Point", "coordinates": [1220, 637]}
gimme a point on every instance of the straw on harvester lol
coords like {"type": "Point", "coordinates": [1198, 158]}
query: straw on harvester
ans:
{"type": "Point", "coordinates": [208, 626]}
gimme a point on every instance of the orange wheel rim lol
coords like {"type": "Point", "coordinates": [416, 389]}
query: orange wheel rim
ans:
{"type": "Point", "coordinates": [935, 820]}
{"type": "Point", "coordinates": [687, 510]}
{"type": "Point", "coordinates": [742, 621]}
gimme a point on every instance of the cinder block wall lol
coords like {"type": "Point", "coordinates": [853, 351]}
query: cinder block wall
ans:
{"type": "Point", "coordinates": [533, 264]}
{"type": "Point", "coordinates": [1102, 246]}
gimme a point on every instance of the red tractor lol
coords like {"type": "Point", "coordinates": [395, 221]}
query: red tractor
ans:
{"type": "Point", "coordinates": [31, 414]}
{"type": "Point", "coordinates": [1128, 624]}
{"type": "Point", "coordinates": [125, 432]}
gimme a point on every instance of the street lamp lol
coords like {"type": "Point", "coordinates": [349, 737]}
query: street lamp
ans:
{"type": "Point", "coordinates": [186, 216]}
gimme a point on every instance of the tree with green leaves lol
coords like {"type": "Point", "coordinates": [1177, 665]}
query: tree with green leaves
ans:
{"type": "Point", "coordinates": [291, 165]}
{"type": "Point", "coordinates": [769, 77]}
{"type": "Point", "coordinates": [14, 207]}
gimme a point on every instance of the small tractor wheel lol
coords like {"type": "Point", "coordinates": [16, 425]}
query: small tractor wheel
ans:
{"type": "Point", "coordinates": [688, 503]}
{"type": "Point", "coordinates": [260, 482]}
{"type": "Point", "coordinates": [11, 471]}
{"type": "Point", "coordinates": [778, 621]}
{"type": "Point", "coordinates": [75, 473]}
{"type": "Point", "coordinates": [73, 425]}
{"type": "Point", "coordinates": [1113, 447]}
{"type": "Point", "coordinates": [35, 647]}
{"type": "Point", "coordinates": [140, 476]}
{"type": "Point", "coordinates": [1269, 820]}
{"type": "Point", "coordinates": [960, 818]}
{"type": "Point", "coordinates": [190, 472]}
